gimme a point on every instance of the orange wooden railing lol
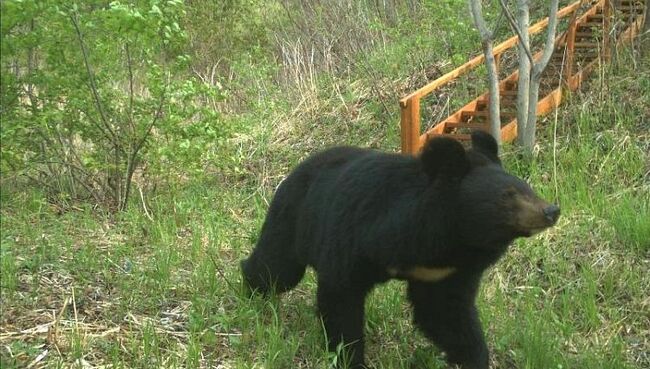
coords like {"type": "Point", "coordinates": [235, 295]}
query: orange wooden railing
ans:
{"type": "Point", "coordinates": [578, 50]}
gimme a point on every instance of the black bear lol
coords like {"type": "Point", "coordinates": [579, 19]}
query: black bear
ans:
{"type": "Point", "coordinates": [361, 217]}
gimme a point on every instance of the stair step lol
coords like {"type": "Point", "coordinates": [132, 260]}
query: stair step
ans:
{"type": "Point", "coordinates": [505, 99]}
{"type": "Point", "coordinates": [482, 104]}
{"type": "Point", "coordinates": [583, 45]}
{"type": "Point", "coordinates": [482, 114]}
{"type": "Point", "coordinates": [582, 58]}
{"type": "Point", "coordinates": [469, 113]}
{"type": "Point", "coordinates": [587, 51]}
{"type": "Point", "coordinates": [629, 10]}
{"type": "Point", "coordinates": [590, 24]}
{"type": "Point", "coordinates": [595, 17]}
{"type": "Point", "coordinates": [589, 34]}
{"type": "Point", "coordinates": [472, 126]}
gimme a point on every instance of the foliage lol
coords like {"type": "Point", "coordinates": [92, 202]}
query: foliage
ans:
{"type": "Point", "coordinates": [89, 89]}
{"type": "Point", "coordinates": [223, 32]}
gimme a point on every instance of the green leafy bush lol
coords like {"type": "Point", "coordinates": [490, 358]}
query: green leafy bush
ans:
{"type": "Point", "coordinates": [90, 91]}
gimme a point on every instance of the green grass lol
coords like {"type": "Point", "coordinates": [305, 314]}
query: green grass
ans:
{"type": "Point", "coordinates": [132, 292]}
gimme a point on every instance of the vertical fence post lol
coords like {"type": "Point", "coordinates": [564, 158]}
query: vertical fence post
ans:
{"type": "Point", "coordinates": [410, 124]}
{"type": "Point", "coordinates": [570, 52]}
{"type": "Point", "coordinates": [405, 125]}
{"type": "Point", "coordinates": [607, 18]}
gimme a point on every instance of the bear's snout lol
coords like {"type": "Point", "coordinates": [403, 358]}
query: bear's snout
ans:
{"type": "Point", "coordinates": [552, 213]}
{"type": "Point", "coordinates": [533, 214]}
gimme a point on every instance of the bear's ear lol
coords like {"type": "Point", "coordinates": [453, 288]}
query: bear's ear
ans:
{"type": "Point", "coordinates": [484, 143]}
{"type": "Point", "coordinates": [444, 156]}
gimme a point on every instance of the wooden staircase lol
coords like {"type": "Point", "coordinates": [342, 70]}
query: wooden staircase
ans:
{"type": "Point", "coordinates": [587, 42]}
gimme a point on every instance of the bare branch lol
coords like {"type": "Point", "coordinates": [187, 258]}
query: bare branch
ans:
{"type": "Point", "coordinates": [156, 116]}
{"type": "Point", "coordinates": [515, 28]}
{"type": "Point", "coordinates": [135, 149]}
{"type": "Point", "coordinates": [498, 22]}
{"type": "Point", "coordinates": [91, 78]}
{"type": "Point", "coordinates": [94, 122]}
{"type": "Point", "coordinates": [40, 182]}
{"type": "Point", "coordinates": [549, 45]}
{"type": "Point", "coordinates": [30, 70]}
{"type": "Point", "coordinates": [525, 61]}
{"type": "Point", "coordinates": [72, 167]}
{"type": "Point", "coordinates": [477, 15]}
{"type": "Point", "coordinates": [130, 69]}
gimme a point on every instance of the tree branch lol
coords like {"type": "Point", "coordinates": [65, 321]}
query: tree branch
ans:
{"type": "Point", "coordinates": [479, 21]}
{"type": "Point", "coordinates": [130, 69]}
{"type": "Point", "coordinates": [91, 78]}
{"type": "Point", "coordinates": [498, 22]}
{"type": "Point", "coordinates": [536, 75]}
{"type": "Point", "coordinates": [515, 28]}
{"type": "Point", "coordinates": [549, 44]}
{"type": "Point", "coordinates": [132, 157]}
{"type": "Point", "coordinates": [524, 70]}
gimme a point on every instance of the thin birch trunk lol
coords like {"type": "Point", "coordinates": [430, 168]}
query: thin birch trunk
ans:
{"type": "Point", "coordinates": [490, 64]}
{"type": "Point", "coordinates": [536, 77]}
{"type": "Point", "coordinates": [523, 21]}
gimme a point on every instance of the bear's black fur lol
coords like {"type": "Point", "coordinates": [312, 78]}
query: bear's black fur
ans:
{"type": "Point", "coordinates": [360, 217]}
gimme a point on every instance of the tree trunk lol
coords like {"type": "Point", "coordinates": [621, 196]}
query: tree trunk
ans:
{"type": "Point", "coordinates": [527, 136]}
{"type": "Point", "coordinates": [493, 78]}
{"type": "Point", "coordinates": [536, 77]}
{"type": "Point", "coordinates": [523, 21]}
{"type": "Point", "coordinates": [490, 64]}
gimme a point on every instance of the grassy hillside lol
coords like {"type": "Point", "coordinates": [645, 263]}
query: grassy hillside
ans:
{"type": "Point", "coordinates": [160, 288]}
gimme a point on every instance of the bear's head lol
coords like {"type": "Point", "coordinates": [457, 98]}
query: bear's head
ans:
{"type": "Point", "coordinates": [490, 207]}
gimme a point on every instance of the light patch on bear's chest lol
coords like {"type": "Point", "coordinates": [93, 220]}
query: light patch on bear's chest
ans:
{"type": "Point", "coordinates": [422, 274]}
